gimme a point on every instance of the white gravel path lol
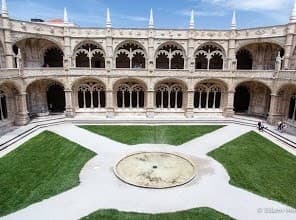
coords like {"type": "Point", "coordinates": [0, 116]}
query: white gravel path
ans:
{"type": "Point", "coordinates": [100, 189]}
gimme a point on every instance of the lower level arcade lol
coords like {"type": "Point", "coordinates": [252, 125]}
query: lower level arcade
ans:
{"type": "Point", "coordinates": [133, 97]}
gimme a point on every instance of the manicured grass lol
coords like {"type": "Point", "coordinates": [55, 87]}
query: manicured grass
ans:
{"type": "Point", "coordinates": [42, 167]}
{"type": "Point", "coordinates": [165, 134]}
{"type": "Point", "coordinates": [193, 214]}
{"type": "Point", "coordinates": [258, 165]}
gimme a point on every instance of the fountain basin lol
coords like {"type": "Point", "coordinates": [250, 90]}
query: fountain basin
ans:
{"type": "Point", "coordinates": [155, 170]}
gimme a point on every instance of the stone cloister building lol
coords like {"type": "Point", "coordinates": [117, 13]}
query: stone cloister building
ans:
{"type": "Point", "coordinates": [112, 72]}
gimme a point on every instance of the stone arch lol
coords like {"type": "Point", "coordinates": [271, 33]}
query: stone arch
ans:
{"type": "Point", "coordinates": [130, 93]}
{"type": "Point", "coordinates": [170, 55]}
{"type": "Point", "coordinates": [45, 96]}
{"type": "Point", "coordinates": [32, 51]}
{"type": "Point", "coordinates": [252, 98]}
{"type": "Point", "coordinates": [9, 93]}
{"type": "Point", "coordinates": [209, 55]}
{"type": "Point", "coordinates": [170, 94]}
{"type": "Point", "coordinates": [263, 55]}
{"type": "Point", "coordinates": [210, 94]}
{"type": "Point", "coordinates": [89, 54]}
{"type": "Point", "coordinates": [286, 102]}
{"type": "Point", "coordinates": [130, 54]}
{"type": "Point", "coordinates": [244, 43]}
{"type": "Point", "coordinates": [89, 93]}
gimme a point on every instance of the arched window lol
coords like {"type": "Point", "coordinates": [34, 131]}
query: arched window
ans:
{"type": "Point", "coordinates": [130, 55]}
{"type": "Point", "coordinates": [292, 108]}
{"type": "Point", "coordinates": [244, 60]}
{"type": "Point", "coordinates": [207, 96]}
{"type": "Point", "coordinates": [3, 106]}
{"type": "Point", "coordinates": [209, 57]}
{"type": "Point", "coordinates": [130, 96]}
{"type": "Point", "coordinates": [90, 55]}
{"type": "Point", "coordinates": [169, 96]}
{"type": "Point", "coordinates": [170, 57]}
{"type": "Point", "coordinates": [53, 57]}
{"type": "Point", "coordinates": [91, 95]}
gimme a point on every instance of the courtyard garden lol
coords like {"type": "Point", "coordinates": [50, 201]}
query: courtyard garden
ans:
{"type": "Point", "coordinates": [164, 134]}
{"type": "Point", "coordinates": [42, 167]}
{"type": "Point", "coordinates": [49, 164]}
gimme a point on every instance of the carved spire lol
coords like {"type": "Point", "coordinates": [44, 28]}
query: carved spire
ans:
{"type": "Point", "coordinates": [191, 23]}
{"type": "Point", "coordinates": [151, 19]}
{"type": "Point", "coordinates": [233, 22]}
{"type": "Point", "coordinates": [108, 19]}
{"type": "Point", "coordinates": [66, 19]}
{"type": "Point", "coordinates": [4, 11]}
{"type": "Point", "coordinates": [293, 14]}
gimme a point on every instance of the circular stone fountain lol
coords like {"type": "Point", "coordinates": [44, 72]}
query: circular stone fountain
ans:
{"type": "Point", "coordinates": [155, 170]}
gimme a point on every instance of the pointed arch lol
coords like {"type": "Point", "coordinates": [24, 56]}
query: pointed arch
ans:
{"type": "Point", "coordinates": [130, 54]}
{"type": "Point", "coordinates": [170, 55]}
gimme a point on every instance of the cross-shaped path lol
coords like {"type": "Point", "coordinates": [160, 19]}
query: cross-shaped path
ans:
{"type": "Point", "coordinates": [100, 189]}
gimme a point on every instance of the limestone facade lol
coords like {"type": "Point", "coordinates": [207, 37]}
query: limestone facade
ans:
{"type": "Point", "coordinates": [149, 72]}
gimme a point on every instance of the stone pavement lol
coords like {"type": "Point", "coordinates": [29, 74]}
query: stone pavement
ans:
{"type": "Point", "coordinates": [100, 189]}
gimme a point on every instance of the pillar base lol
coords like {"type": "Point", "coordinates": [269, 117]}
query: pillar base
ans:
{"type": "Point", "coordinates": [273, 119]}
{"type": "Point", "coordinates": [228, 112]}
{"type": "Point", "coordinates": [110, 113]}
{"type": "Point", "coordinates": [22, 119]}
{"type": "Point", "coordinates": [69, 113]}
{"type": "Point", "coordinates": [189, 113]}
{"type": "Point", "coordinates": [150, 113]}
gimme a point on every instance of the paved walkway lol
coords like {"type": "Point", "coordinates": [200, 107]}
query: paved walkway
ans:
{"type": "Point", "coordinates": [100, 189]}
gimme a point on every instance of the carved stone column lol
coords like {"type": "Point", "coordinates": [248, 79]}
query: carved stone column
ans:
{"type": "Point", "coordinates": [189, 108]}
{"type": "Point", "coordinates": [150, 104]}
{"type": "Point", "coordinates": [69, 110]}
{"type": "Point", "coordinates": [22, 117]}
{"type": "Point", "coordinates": [273, 115]}
{"type": "Point", "coordinates": [151, 62]}
{"type": "Point", "coordinates": [110, 104]}
{"type": "Point", "coordinates": [228, 111]}
{"type": "Point", "coordinates": [289, 45]}
{"type": "Point", "coordinates": [9, 58]}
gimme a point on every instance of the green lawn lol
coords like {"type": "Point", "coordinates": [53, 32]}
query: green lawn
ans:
{"type": "Point", "coordinates": [258, 165]}
{"type": "Point", "coordinates": [165, 134]}
{"type": "Point", "coordinates": [193, 214]}
{"type": "Point", "coordinates": [42, 167]}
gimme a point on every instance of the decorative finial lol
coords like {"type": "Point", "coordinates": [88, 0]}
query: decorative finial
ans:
{"type": "Point", "coordinates": [293, 14]}
{"type": "Point", "coordinates": [4, 11]}
{"type": "Point", "coordinates": [108, 19]}
{"type": "Point", "coordinates": [191, 23]}
{"type": "Point", "coordinates": [66, 20]}
{"type": "Point", "coordinates": [151, 19]}
{"type": "Point", "coordinates": [233, 22]}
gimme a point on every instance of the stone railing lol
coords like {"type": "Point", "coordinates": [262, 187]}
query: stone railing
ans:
{"type": "Point", "coordinates": [252, 74]}
{"type": "Point", "coordinates": [9, 73]}
{"type": "Point", "coordinates": [287, 75]}
{"type": "Point", "coordinates": [60, 72]}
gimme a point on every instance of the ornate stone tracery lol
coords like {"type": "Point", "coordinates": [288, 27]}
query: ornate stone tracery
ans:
{"type": "Point", "coordinates": [130, 55]}
{"type": "Point", "coordinates": [169, 95]}
{"type": "Point", "coordinates": [130, 95]}
{"type": "Point", "coordinates": [170, 56]}
{"type": "Point", "coordinates": [91, 95]}
{"type": "Point", "coordinates": [209, 57]}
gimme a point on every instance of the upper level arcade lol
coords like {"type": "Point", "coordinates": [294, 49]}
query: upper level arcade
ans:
{"type": "Point", "coordinates": [27, 46]}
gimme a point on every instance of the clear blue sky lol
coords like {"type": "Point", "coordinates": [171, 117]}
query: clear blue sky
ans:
{"type": "Point", "coordinates": [210, 14]}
